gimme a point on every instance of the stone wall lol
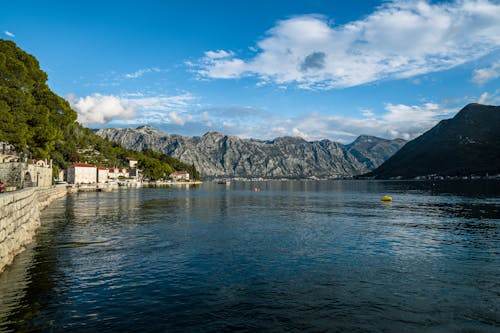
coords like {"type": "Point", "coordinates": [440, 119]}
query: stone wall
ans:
{"type": "Point", "coordinates": [11, 174]}
{"type": "Point", "coordinates": [40, 175]}
{"type": "Point", "coordinates": [21, 175]}
{"type": "Point", "coordinates": [20, 217]}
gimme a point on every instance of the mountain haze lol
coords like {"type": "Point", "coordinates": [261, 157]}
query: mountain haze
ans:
{"type": "Point", "coordinates": [218, 155]}
{"type": "Point", "coordinates": [467, 144]}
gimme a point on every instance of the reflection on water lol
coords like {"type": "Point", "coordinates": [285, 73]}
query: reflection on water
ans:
{"type": "Point", "coordinates": [298, 255]}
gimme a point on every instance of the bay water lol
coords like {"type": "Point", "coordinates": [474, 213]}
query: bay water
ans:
{"type": "Point", "coordinates": [292, 256]}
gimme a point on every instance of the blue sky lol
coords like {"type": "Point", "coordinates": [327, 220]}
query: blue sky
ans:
{"type": "Point", "coordinates": [314, 68]}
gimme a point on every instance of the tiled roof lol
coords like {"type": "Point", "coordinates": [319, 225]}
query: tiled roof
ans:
{"type": "Point", "coordinates": [178, 173]}
{"type": "Point", "coordinates": [81, 165]}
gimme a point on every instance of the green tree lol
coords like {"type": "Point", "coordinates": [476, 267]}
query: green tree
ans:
{"type": "Point", "coordinates": [41, 124]}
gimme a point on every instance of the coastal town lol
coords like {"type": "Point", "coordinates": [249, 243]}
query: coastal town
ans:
{"type": "Point", "coordinates": [18, 173]}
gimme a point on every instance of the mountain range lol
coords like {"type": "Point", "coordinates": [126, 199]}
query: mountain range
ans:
{"type": "Point", "coordinates": [467, 144]}
{"type": "Point", "coordinates": [219, 155]}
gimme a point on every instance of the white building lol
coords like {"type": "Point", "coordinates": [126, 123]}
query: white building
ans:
{"type": "Point", "coordinates": [102, 174]}
{"type": "Point", "coordinates": [115, 173]}
{"type": "Point", "coordinates": [82, 173]}
{"type": "Point", "coordinates": [132, 162]}
{"type": "Point", "coordinates": [180, 176]}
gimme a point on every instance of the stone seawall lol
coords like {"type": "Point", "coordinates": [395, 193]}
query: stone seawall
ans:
{"type": "Point", "coordinates": [20, 217]}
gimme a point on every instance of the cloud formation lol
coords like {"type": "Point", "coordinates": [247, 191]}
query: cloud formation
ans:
{"type": "Point", "coordinates": [141, 72]}
{"type": "Point", "coordinates": [400, 39]}
{"type": "Point", "coordinates": [100, 109]}
{"type": "Point", "coordinates": [179, 114]}
{"type": "Point", "coordinates": [490, 98]}
{"type": "Point", "coordinates": [484, 75]}
{"type": "Point", "coordinates": [8, 33]}
{"type": "Point", "coordinates": [397, 121]}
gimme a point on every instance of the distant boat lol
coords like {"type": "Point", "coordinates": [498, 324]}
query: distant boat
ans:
{"type": "Point", "coordinates": [224, 182]}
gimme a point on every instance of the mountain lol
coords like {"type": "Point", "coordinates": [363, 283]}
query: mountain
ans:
{"type": "Point", "coordinates": [218, 155]}
{"type": "Point", "coordinates": [373, 151]}
{"type": "Point", "coordinates": [467, 144]}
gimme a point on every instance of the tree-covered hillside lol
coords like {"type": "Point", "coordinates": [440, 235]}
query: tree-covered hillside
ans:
{"type": "Point", "coordinates": [40, 124]}
{"type": "Point", "coordinates": [33, 117]}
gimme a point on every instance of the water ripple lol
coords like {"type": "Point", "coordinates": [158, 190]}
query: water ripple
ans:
{"type": "Point", "coordinates": [297, 256]}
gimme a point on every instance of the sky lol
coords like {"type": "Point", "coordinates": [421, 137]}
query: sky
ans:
{"type": "Point", "coordinates": [318, 69]}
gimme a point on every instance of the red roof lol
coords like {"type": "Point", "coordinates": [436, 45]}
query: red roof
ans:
{"type": "Point", "coordinates": [178, 173]}
{"type": "Point", "coordinates": [81, 165]}
{"type": "Point", "coordinates": [101, 168]}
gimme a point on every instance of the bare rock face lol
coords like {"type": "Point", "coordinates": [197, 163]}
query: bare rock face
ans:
{"type": "Point", "coordinates": [218, 155]}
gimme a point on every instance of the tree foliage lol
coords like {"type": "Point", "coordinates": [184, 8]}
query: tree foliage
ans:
{"type": "Point", "coordinates": [40, 124]}
{"type": "Point", "coordinates": [33, 117]}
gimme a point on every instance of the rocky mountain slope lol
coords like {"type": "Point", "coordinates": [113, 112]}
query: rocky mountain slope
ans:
{"type": "Point", "coordinates": [467, 144]}
{"type": "Point", "coordinates": [218, 155]}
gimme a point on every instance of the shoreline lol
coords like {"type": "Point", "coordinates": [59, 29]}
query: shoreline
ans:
{"type": "Point", "coordinates": [163, 184]}
{"type": "Point", "coordinates": [20, 218]}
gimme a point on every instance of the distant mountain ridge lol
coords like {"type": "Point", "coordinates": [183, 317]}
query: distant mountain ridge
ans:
{"type": "Point", "coordinates": [218, 155]}
{"type": "Point", "coordinates": [467, 144]}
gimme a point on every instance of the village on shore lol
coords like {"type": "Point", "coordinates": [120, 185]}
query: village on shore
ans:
{"type": "Point", "coordinates": [17, 173]}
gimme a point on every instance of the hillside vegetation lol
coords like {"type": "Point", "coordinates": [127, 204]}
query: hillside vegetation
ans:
{"type": "Point", "coordinates": [40, 124]}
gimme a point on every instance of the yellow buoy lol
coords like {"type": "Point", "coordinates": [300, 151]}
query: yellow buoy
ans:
{"type": "Point", "coordinates": [386, 198]}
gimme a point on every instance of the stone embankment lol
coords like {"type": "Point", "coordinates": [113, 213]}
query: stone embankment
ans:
{"type": "Point", "coordinates": [20, 217]}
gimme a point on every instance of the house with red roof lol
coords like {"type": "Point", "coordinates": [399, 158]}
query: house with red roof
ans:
{"type": "Point", "coordinates": [180, 175]}
{"type": "Point", "coordinates": [82, 173]}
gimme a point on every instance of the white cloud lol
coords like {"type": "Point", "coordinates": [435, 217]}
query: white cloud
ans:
{"type": "Point", "coordinates": [163, 103]}
{"type": "Point", "coordinates": [490, 98]}
{"type": "Point", "coordinates": [397, 121]}
{"type": "Point", "coordinates": [483, 98]}
{"type": "Point", "coordinates": [8, 33]}
{"type": "Point", "coordinates": [176, 119]}
{"type": "Point", "coordinates": [141, 72]}
{"type": "Point", "coordinates": [219, 54]}
{"type": "Point", "coordinates": [100, 109]}
{"type": "Point", "coordinates": [484, 75]}
{"type": "Point", "coordinates": [204, 116]}
{"type": "Point", "coordinates": [400, 39]}
{"type": "Point", "coordinates": [367, 113]}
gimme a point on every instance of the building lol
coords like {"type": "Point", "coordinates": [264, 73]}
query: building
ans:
{"type": "Point", "coordinates": [61, 174]}
{"type": "Point", "coordinates": [116, 173]}
{"type": "Point", "coordinates": [102, 174]}
{"type": "Point", "coordinates": [135, 174]}
{"type": "Point", "coordinates": [180, 175]}
{"type": "Point", "coordinates": [132, 162]}
{"type": "Point", "coordinates": [81, 173]}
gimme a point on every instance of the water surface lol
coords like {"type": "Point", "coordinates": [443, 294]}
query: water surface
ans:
{"type": "Point", "coordinates": [296, 256]}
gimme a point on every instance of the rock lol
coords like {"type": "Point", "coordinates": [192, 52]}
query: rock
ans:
{"type": "Point", "coordinates": [218, 155]}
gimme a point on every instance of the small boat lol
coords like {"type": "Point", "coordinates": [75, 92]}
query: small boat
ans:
{"type": "Point", "coordinates": [224, 182]}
